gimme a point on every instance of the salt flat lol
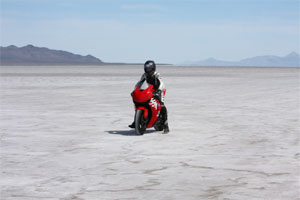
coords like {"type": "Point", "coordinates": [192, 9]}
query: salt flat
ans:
{"type": "Point", "coordinates": [234, 134]}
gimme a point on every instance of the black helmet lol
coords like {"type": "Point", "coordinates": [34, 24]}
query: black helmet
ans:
{"type": "Point", "coordinates": [149, 67]}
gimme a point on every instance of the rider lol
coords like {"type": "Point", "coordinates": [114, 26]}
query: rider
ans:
{"type": "Point", "coordinates": [152, 77]}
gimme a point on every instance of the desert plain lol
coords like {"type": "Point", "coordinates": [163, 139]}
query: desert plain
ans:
{"type": "Point", "coordinates": [234, 134]}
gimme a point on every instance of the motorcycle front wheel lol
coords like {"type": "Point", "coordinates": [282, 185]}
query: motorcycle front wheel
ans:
{"type": "Point", "coordinates": [140, 122]}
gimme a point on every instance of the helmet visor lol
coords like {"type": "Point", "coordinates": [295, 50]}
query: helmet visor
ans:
{"type": "Point", "coordinates": [148, 69]}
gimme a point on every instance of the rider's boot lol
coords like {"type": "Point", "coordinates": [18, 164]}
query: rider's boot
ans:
{"type": "Point", "coordinates": [132, 125]}
{"type": "Point", "coordinates": [164, 114]}
{"type": "Point", "coordinates": [166, 127]}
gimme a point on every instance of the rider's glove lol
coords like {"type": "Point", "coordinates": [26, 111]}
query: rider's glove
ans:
{"type": "Point", "coordinates": [157, 94]}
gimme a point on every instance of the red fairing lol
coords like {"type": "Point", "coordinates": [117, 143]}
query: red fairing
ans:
{"type": "Point", "coordinates": [146, 96]}
{"type": "Point", "coordinates": [155, 108]}
{"type": "Point", "coordinates": [141, 96]}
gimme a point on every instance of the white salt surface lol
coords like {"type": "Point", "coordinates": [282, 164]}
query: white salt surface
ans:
{"type": "Point", "coordinates": [234, 134]}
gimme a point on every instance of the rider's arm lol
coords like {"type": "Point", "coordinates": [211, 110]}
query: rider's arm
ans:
{"type": "Point", "coordinates": [157, 84]}
{"type": "Point", "coordinates": [158, 87]}
{"type": "Point", "coordinates": [143, 77]}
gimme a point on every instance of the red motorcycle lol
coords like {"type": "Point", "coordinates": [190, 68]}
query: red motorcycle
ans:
{"type": "Point", "coordinates": [147, 108]}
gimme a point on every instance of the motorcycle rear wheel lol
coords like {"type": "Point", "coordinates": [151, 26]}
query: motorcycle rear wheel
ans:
{"type": "Point", "coordinates": [140, 122]}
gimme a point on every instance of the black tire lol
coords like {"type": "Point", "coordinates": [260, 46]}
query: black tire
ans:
{"type": "Point", "coordinates": [140, 122]}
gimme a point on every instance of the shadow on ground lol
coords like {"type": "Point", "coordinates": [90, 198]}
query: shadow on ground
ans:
{"type": "Point", "coordinates": [128, 132]}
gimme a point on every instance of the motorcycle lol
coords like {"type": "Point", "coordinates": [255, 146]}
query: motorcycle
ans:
{"type": "Point", "coordinates": [147, 108]}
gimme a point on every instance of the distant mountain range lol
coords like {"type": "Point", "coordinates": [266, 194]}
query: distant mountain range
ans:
{"type": "Point", "coordinates": [31, 55]}
{"type": "Point", "coordinates": [290, 60]}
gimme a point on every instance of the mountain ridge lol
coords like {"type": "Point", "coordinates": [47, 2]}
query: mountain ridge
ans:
{"type": "Point", "coordinates": [32, 55]}
{"type": "Point", "coordinates": [290, 60]}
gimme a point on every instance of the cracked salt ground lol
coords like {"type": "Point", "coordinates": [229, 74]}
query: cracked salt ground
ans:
{"type": "Point", "coordinates": [234, 134]}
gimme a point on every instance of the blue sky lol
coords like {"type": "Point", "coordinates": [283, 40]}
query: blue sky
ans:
{"type": "Point", "coordinates": [171, 31]}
